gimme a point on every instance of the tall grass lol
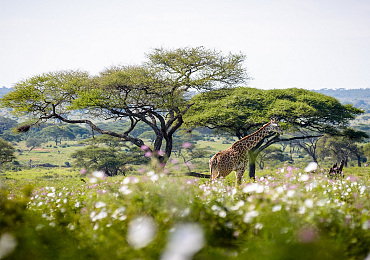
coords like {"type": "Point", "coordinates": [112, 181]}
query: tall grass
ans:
{"type": "Point", "coordinates": [285, 213]}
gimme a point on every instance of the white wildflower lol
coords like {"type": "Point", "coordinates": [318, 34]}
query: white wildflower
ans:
{"type": "Point", "coordinates": [250, 188]}
{"type": "Point", "coordinates": [98, 174]}
{"type": "Point", "coordinates": [118, 213]}
{"type": "Point", "coordinates": [125, 190]}
{"type": "Point", "coordinates": [93, 180]}
{"type": "Point", "coordinates": [249, 216]}
{"type": "Point", "coordinates": [102, 214]}
{"type": "Point", "coordinates": [302, 210]}
{"type": "Point", "coordinates": [222, 214]}
{"type": "Point", "coordinates": [366, 225]}
{"type": "Point", "coordinates": [276, 208]}
{"type": "Point", "coordinates": [321, 202]}
{"type": "Point", "coordinates": [258, 226]}
{"type": "Point", "coordinates": [184, 242]}
{"type": "Point", "coordinates": [100, 204]}
{"type": "Point", "coordinates": [308, 203]}
{"type": "Point", "coordinates": [216, 208]}
{"type": "Point", "coordinates": [126, 181]}
{"type": "Point", "coordinates": [239, 204]}
{"type": "Point", "coordinates": [154, 177]}
{"type": "Point", "coordinates": [7, 244]}
{"type": "Point", "coordinates": [290, 193]}
{"type": "Point", "coordinates": [304, 177]}
{"type": "Point", "coordinates": [150, 173]}
{"type": "Point", "coordinates": [141, 231]}
{"type": "Point", "coordinates": [71, 226]}
{"type": "Point", "coordinates": [185, 212]}
{"type": "Point", "coordinates": [312, 166]}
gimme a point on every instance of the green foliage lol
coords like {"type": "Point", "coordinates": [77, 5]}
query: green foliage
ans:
{"type": "Point", "coordinates": [34, 142]}
{"type": "Point", "coordinates": [105, 154]}
{"type": "Point", "coordinates": [240, 110]}
{"type": "Point", "coordinates": [6, 152]}
{"type": "Point", "coordinates": [278, 216]}
{"type": "Point", "coordinates": [45, 93]}
{"type": "Point", "coordinates": [228, 110]}
{"type": "Point", "coordinates": [197, 67]}
{"type": "Point", "coordinates": [270, 155]}
{"type": "Point", "coordinates": [366, 148]}
{"type": "Point", "coordinates": [341, 147]}
{"type": "Point", "coordinates": [6, 124]}
{"type": "Point", "coordinates": [154, 93]}
{"type": "Point", "coordinates": [58, 132]}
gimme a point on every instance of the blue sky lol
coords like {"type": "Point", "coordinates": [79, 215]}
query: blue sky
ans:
{"type": "Point", "coordinates": [309, 44]}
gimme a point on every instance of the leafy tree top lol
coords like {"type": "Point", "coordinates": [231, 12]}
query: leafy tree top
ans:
{"type": "Point", "coordinates": [241, 110]}
{"type": "Point", "coordinates": [155, 93]}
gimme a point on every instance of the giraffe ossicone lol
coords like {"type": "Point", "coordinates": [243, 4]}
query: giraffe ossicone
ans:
{"type": "Point", "coordinates": [235, 158]}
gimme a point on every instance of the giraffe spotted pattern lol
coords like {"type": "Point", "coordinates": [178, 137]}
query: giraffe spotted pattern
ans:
{"type": "Point", "coordinates": [235, 158]}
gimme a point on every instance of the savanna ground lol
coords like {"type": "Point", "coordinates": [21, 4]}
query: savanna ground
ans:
{"type": "Point", "coordinates": [285, 213]}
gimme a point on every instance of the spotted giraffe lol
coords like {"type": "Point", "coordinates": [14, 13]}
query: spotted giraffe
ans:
{"type": "Point", "coordinates": [236, 157]}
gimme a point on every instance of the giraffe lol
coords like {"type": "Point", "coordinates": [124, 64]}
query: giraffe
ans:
{"type": "Point", "coordinates": [235, 158]}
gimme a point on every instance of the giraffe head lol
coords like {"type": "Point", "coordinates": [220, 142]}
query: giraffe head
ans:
{"type": "Point", "coordinates": [274, 127]}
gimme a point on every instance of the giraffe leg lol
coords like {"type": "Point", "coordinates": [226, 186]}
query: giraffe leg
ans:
{"type": "Point", "coordinates": [214, 175]}
{"type": "Point", "coordinates": [239, 175]}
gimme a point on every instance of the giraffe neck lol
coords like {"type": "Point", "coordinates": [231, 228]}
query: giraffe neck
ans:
{"type": "Point", "coordinates": [246, 143]}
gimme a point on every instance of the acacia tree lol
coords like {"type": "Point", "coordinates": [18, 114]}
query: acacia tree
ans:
{"type": "Point", "coordinates": [105, 153]}
{"type": "Point", "coordinates": [309, 145]}
{"type": "Point", "coordinates": [57, 133]}
{"type": "Point", "coordinates": [155, 93]}
{"type": "Point", "coordinates": [270, 154]}
{"type": "Point", "coordinates": [241, 111]}
{"type": "Point", "coordinates": [343, 146]}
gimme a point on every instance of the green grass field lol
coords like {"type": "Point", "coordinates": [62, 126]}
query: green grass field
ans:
{"type": "Point", "coordinates": [286, 213]}
{"type": "Point", "coordinates": [47, 153]}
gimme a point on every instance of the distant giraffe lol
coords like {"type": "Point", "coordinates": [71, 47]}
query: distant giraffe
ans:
{"type": "Point", "coordinates": [236, 157]}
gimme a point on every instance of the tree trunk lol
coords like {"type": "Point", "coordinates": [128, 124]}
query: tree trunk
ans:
{"type": "Point", "coordinates": [252, 169]}
{"type": "Point", "coordinates": [252, 164]}
{"type": "Point", "coordinates": [168, 151]}
{"type": "Point", "coordinates": [358, 157]}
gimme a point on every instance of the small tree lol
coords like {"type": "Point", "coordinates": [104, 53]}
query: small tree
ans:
{"type": "Point", "coordinates": [6, 152]}
{"type": "Point", "coordinates": [342, 147]}
{"type": "Point", "coordinates": [105, 153]}
{"type": "Point", "coordinates": [269, 155]}
{"type": "Point", "coordinates": [33, 142]}
{"type": "Point", "coordinates": [366, 149]}
{"type": "Point", "coordinates": [309, 145]}
{"type": "Point", "coordinates": [57, 133]}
